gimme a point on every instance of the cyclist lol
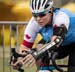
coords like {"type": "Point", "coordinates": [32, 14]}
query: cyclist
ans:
{"type": "Point", "coordinates": [50, 22]}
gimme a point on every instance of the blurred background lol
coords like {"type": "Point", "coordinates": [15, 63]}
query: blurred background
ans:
{"type": "Point", "coordinates": [18, 10]}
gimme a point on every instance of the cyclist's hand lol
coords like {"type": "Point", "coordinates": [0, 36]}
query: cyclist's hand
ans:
{"type": "Point", "coordinates": [23, 50]}
{"type": "Point", "coordinates": [29, 60]}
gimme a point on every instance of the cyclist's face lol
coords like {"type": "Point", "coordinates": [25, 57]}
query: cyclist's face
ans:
{"type": "Point", "coordinates": [43, 19]}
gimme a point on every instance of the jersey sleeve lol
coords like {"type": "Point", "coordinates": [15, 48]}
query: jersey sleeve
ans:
{"type": "Point", "coordinates": [61, 19]}
{"type": "Point", "coordinates": [30, 33]}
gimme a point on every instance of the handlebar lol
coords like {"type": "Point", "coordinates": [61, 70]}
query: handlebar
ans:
{"type": "Point", "coordinates": [54, 56]}
{"type": "Point", "coordinates": [37, 54]}
{"type": "Point", "coordinates": [14, 57]}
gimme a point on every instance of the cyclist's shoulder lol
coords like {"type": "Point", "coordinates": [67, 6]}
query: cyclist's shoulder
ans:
{"type": "Point", "coordinates": [60, 17]}
{"type": "Point", "coordinates": [57, 10]}
{"type": "Point", "coordinates": [59, 14]}
{"type": "Point", "coordinates": [63, 11]}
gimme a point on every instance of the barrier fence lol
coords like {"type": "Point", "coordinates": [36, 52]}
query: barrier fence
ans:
{"type": "Point", "coordinates": [5, 50]}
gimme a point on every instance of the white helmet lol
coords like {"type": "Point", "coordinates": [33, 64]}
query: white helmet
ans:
{"type": "Point", "coordinates": [38, 6]}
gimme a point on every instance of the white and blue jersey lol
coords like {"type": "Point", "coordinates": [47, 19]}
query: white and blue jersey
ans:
{"type": "Point", "coordinates": [47, 31]}
{"type": "Point", "coordinates": [60, 16]}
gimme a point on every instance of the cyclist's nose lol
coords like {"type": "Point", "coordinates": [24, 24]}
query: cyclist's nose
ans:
{"type": "Point", "coordinates": [38, 18]}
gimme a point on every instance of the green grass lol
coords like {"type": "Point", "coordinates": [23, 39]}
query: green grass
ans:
{"type": "Point", "coordinates": [7, 68]}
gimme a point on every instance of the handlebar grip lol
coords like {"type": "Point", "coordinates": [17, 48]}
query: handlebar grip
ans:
{"type": "Point", "coordinates": [14, 57]}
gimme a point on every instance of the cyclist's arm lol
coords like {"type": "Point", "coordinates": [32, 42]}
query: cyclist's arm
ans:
{"type": "Point", "coordinates": [60, 26]}
{"type": "Point", "coordinates": [30, 34]}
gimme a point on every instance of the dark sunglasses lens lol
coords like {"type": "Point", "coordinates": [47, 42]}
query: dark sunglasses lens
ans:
{"type": "Point", "coordinates": [35, 15]}
{"type": "Point", "coordinates": [40, 15]}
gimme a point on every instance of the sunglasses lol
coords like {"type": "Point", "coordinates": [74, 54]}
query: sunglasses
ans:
{"type": "Point", "coordinates": [39, 15]}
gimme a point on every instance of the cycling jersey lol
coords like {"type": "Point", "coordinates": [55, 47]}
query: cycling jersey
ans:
{"type": "Point", "coordinates": [60, 16]}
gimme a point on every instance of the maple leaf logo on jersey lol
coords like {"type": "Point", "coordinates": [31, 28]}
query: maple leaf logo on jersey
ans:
{"type": "Point", "coordinates": [27, 36]}
{"type": "Point", "coordinates": [55, 26]}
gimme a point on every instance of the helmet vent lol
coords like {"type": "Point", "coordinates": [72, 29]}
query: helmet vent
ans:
{"type": "Point", "coordinates": [43, 2]}
{"type": "Point", "coordinates": [35, 3]}
{"type": "Point", "coordinates": [46, 6]}
{"type": "Point", "coordinates": [39, 4]}
{"type": "Point", "coordinates": [32, 6]}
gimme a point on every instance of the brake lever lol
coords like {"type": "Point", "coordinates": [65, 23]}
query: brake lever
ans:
{"type": "Point", "coordinates": [14, 57]}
